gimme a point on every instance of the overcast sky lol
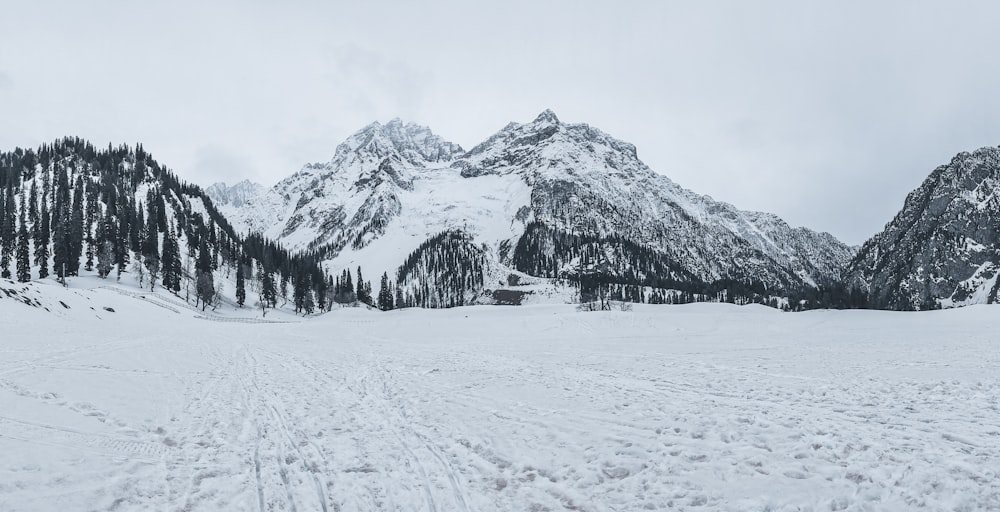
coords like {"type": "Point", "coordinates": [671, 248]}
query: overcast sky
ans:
{"type": "Point", "coordinates": [824, 113]}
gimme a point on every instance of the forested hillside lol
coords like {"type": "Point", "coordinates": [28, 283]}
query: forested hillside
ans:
{"type": "Point", "coordinates": [69, 209]}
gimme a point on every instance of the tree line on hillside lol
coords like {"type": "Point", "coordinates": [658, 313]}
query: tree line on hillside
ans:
{"type": "Point", "coordinates": [69, 207]}
{"type": "Point", "coordinates": [620, 269]}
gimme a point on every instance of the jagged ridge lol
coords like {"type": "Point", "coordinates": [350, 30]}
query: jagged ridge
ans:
{"type": "Point", "coordinates": [390, 187]}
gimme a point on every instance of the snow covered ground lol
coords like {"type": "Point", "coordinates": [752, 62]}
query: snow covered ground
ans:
{"type": "Point", "coordinates": [697, 407]}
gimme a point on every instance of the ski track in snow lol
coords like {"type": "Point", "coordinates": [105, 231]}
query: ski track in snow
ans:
{"type": "Point", "coordinates": [701, 407]}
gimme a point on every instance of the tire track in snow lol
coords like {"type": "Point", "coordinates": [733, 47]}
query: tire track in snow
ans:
{"type": "Point", "coordinates": [53, 435]}
{"type": "Point", "coordinates": [402, 425]}
{"type": "Point", "coordinates": [314, 463]}
{"type": "Point", "coordinates": [310, 466]}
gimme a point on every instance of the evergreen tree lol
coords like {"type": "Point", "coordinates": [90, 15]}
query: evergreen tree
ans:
{"type": "Point", "coordinates": [363, 292]}
{"type": "Point", "coordinates": [299, 291]}
{"type": "Point", "coordinates": [171, 261]}
{"type": "Point", "coordinates": [213, 243]}
{"type": "Point", "coordinates": [205, 284]}
{"type": "Point", "coordinates": [60, 239]}
{"type": "Point", "coordinates": [74, 242]}
{"type": "Point", "coordinates": [400, 301]}
{"type": "Point", "coordinates": [7, 231]}
{"type": "Point", "coordinates": [136, 222]}
{"type": "Point", "coordinates": [151, 248]}
{"type": "Point", "coordinates": [23, 253]}
{"type": "Point", "coordinates": [344, 289]}
{"type": "Point", "coordinates": [322, 290]}
{"type": "Point", "coordinates": [283, 288]}
{"type": "Point", "coordinates": [385, 298]}
{"type": "Point", "coordinates": [308, 303]}
{"type": "Point", "coordinates": [120, 242]}
{"type": "Point", "coordinates": [105, 249]}
{"type": "Point", "coordinates": [91, 215]}
{"type": "Point", "coordinates": [268, 294]}
{"type": "Point", "coordinates": [33, 208]}
{"type": "Point", "coordinates": [241, 291]}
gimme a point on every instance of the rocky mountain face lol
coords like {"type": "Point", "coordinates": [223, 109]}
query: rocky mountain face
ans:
{"type": "Point", "coordinates": [347, 201]}
{"type": "Point", "coordinates": [234, 195]}
{"type": "Point", "coordinates": [943, 248]}
{"type": "Point", "coordinates": [543, 199]}
{"type": "Point", "coordinates": [585, 181]}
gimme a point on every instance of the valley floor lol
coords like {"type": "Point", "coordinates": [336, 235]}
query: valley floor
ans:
{"type": "Point", "coordinates": [698, 407]}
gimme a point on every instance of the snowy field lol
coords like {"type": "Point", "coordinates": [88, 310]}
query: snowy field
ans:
{"type": "Point", "coordinates": [541, 408]}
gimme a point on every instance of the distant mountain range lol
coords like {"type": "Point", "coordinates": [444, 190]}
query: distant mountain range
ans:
{"type": "Point", "coordinates": [544, 199]}
{"type": "Point", "coordinates": [539, 212]}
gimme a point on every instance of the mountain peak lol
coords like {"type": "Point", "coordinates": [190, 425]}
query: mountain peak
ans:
{"type": "Point", "coordinates": [547, 116]}
{"type": "Point", "coordinates": [236, 194]}
{"type": "Point", "coordinates": [403, 141]}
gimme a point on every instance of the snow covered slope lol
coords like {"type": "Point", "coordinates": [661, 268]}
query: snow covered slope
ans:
{"type": "Point", "coordinates": [943, 248]}
{"type": "Point", "coordinates": [390, 188]}
{"type": "Point", "coordinates": [697, 407]}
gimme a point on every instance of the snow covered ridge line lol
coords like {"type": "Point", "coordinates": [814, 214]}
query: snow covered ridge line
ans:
{"type": "Point", "coordinates": [540, 212]}
{"type": "Point", "coordinates": [391, 189]}
{"type": "Point", "coordinates": [524, 191]}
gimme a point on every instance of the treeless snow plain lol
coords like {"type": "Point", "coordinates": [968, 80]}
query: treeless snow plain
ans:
{"type": "Point", "coordinates": [538, 408]}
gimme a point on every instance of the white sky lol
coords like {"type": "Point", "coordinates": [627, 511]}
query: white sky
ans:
{"type": "Point", "coordinates": [824, 114]}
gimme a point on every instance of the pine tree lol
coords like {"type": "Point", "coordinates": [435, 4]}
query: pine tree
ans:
{"type": "Point", "coordinates": [90, 219]}
{"type": "Point", "coordinates": [75, 234]}
{"type": "Point", "coordinates": [241, 290]}
{"type": "Point", "coordinates": [8, 233]}
{"type": "Point", "coordinates": [308, 303]}
{"type": "Point", "coordinates": [105, 251]}
{"type": "Point", "coordinates": [298, 292]}
{"type": "Point", "coordinates": [46, 183]}
{"type": "Point", "coordinates": [301, 290]}
{"type": "Point", "coordinates": [205, 284]}
{"type": "Point", "coordinates": [385, 298]}
{"type": "Point", "coordinates": [213, 243]}
{"type": "Point", "coordinates": [344, 288]}
{"type": "Point", "coordinates": [268, 294]}
{"type": "Point", "coordinates": [151, 248]}
{"type": "Point", "coordinates": [136, 222]}
{"type": "Point", "coordinates": [283, 288]}
{"type": "Point", "coordinates": [362, 292]}
{"type": "Point", "coordinates": [322, 290]}
{"type": "Point", "coordinates": [60, 242]}
{"type": "Point", "coordinates": [110, 245]}
{"type": "Point", "coordinates": [33, 208]}
{"type": "Point", "coordinates": [23, 253]}
{"type": "Point", "coordinates": [171, 261]}
{"type": "Point", "coordinates": [120, 240]}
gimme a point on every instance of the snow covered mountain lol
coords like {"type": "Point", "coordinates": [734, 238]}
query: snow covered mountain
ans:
{"type": "Point", "coordinates": [943, 248]}
{"type": "Point", "coordinates": [235, 195]}
{"type": "Point", "coordinates": [543, 199]}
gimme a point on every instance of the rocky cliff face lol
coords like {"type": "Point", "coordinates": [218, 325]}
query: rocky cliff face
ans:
{"type": "Point", "coordinates": [585, 181]}
{"type": "Point", "coordinates": [943, 248]}
{"type": "Point", "coordinates": [348, 201]}
{"type": "Point", "coordinates": [234, 195]}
